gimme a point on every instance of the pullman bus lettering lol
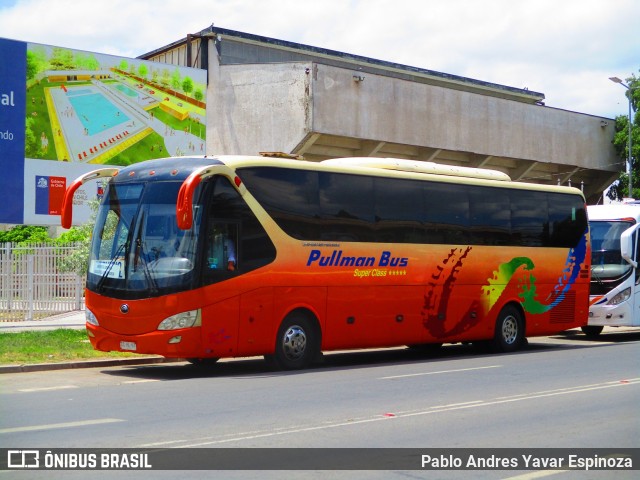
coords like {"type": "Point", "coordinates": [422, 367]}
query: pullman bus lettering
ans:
{"type": "Point", "coordinates": [337, 259]}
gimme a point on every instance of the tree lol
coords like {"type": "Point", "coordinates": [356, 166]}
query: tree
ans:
{"type": "Point", "coordinates": [78, 260]}
{"type": "Point", "coordinates": [165, 77]}
{"type": "Point", "coordinates": [620, 189]}
{"type": "Point", "coordinates": [187, 85]}
{"type": "Point", "coordinates": [25, 234]}
{"type": "Point", "coordinates": [143, 71]}
{"type": "Point", "coordinates": [37, 61]}
{"type": "Point", "coordinates": [87, 62]}
{"type": "Point", "coordinates": [62, 59]}
{"type": "Point", "coordinates": [32, 65]}
{"type": "Point", "coordinates": [175, 79]}
{"type": "Point", "coordinates": [30, 140]}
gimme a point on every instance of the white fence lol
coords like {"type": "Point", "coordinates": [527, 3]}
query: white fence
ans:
{"type": "Point", "coordinates": [33, 285]}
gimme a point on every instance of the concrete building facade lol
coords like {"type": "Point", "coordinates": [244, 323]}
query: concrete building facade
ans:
{"type": "Point", "coordinates": [266, 94]}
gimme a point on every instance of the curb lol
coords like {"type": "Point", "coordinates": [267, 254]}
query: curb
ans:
{"type": "Point", "coordinates": [110, 362]}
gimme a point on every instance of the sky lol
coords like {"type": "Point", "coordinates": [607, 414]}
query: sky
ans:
{"type": "Point", "coordinates": [565, 49]}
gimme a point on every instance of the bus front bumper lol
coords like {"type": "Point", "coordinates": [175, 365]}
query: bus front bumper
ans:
{"type": "Point", "coordinates": [610, 315]}
{"type": "Point", "coordinates": [182, 343]}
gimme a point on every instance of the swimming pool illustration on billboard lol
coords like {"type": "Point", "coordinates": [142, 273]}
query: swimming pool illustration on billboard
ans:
{"type": "Point", "coordinates": [90, 108]}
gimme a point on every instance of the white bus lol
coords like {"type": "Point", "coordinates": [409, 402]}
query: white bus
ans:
{"type": "Point", "coordinates": [615, 291]}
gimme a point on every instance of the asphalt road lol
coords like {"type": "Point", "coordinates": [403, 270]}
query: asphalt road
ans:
{"type": "Point", "coordinates": [560, 392]}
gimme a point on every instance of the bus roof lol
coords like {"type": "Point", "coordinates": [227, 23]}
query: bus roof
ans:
{"type": "Point", "coordinates": [179, 168]}
{"type": "Point", "coordinates": [418, 167]}
{"type": "Point", "coordinates": [398, 168]}
{"type": "Point", "coordinates": [614, 211]}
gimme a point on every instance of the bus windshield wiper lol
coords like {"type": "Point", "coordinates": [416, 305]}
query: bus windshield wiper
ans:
{"type": "Point", "coordinates": [595, 276]}
{"type": "Point", "coordinates": [139, 257]}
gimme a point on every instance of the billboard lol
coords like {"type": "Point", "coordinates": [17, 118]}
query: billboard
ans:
{"type": "Point", "coordinates": [65, 112]}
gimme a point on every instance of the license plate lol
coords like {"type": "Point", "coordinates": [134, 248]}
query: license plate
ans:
{"type": "Point", "coordinates": [128, 346]}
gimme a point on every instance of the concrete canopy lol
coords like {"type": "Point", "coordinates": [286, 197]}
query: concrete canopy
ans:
{"type": "Point", "coordinates": [266, 94]}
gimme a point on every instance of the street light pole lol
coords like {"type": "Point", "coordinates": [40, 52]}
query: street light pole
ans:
{"type": "Point", "coordinates": [617, 80]}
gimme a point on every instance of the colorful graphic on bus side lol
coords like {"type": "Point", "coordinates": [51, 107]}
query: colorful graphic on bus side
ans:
{"type": "Point", "coordinates": [519, 270]}
{"type": "Point", "coordinates": [506, 271]}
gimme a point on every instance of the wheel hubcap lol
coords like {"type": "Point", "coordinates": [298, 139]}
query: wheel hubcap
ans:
{"type": "Point", "coordinates": [294, 342]}
{"type": "Point", "coordinates": [510, 330]}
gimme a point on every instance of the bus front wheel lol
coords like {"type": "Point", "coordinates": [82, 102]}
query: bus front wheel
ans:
{"type": "Point", "coordinates": [297, 343]}
{"type": "Point", "coordinates": [202, 362]}
{"type": "Point", "coordinates": [509, 333]}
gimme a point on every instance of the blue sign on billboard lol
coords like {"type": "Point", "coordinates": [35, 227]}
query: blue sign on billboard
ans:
{"type": "Point", "coordinates": [13, 65]}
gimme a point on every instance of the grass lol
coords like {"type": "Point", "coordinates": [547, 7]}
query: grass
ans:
{"type": "Point", "coordinates": [37, 110]}
{"type": "Point", "coordinates": [152, 146]}
{"type": "Point", "coordinates": [50, 346]}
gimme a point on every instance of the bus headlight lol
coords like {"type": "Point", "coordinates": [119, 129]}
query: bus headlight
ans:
{"type": "Point", "coordinates": [623, 296]}
{"type": "Point", "coordinates": [90, 317]}
{"type": "Point", "coordinates": [181, 320]}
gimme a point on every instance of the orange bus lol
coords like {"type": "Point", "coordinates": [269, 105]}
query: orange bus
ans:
{"type": "Point", "coordinates": [229, 256]}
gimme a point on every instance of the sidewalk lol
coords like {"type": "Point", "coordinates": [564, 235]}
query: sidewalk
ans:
{"type": "Point", "coordinates": [75, 320]}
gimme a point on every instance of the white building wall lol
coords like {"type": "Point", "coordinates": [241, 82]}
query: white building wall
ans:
{"type": "Point", "coordinates": [400, 111]}
{"type": "Point", "coordinates": [254, 108]}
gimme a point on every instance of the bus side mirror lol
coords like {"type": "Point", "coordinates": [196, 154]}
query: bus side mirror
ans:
{"type": "Point", "coordinates": [66, 214]}
{"type": "Point", "coordinates": [627, 243]}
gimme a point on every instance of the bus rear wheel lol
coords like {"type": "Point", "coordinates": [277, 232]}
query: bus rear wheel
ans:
{"type": "Point", "coordinates": [592, 331]}
{"type": "Point", "coordinates": [297, 343]}
{"type": "Point", "coordinates": [509, 333]}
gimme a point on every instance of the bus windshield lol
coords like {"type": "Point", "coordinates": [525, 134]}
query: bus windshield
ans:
{"type": "Point", "coordinates": [607, 262]}
{"type": "Point", "coordinates": [137, 249]}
